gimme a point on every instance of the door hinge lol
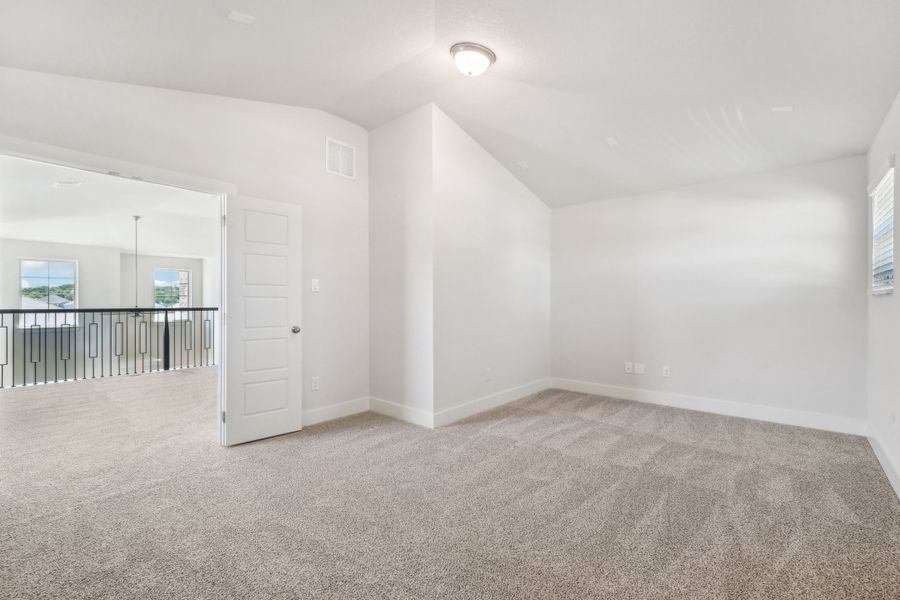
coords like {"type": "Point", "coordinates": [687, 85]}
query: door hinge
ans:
{"type": "Point", "coordinates": [223, 416]}
{"type": "Point", "coordinates": [224, 220]}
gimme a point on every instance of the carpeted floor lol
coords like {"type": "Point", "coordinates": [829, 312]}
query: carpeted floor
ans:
{"type": "Point", "coordinates": [106, 494]}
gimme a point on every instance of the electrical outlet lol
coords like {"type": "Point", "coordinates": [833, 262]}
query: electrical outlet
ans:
{"type": "Point", "coordinates": [629, 368]}
{"type": "Point", "coordinates": [315, 384]}
{"type": "Point", "coordinates": [315, 285]}
{"type": "Point", "coordinates": [640, 368]}
{"type": "Point", "coordinates": [666, 371]}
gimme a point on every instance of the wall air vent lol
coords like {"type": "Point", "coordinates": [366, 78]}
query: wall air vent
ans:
{"type": "Point", "coordinates": [340, 159]}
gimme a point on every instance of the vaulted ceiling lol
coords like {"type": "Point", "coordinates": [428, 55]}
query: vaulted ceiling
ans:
{"type": "Point", "coordinates": [42, 202]}
{"type": "Point", "coordinates": [686, 88]}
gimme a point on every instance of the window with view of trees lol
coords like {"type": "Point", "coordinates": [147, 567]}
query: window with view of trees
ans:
{"type": "Point", "coordinates": [47, 285]}
{"type": "Point", "coordinates": [172, 288]}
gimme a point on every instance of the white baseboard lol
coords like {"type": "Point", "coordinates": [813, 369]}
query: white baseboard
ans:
{"type": "Point", "coordinates": [416, 416]}
{"type": "Point", "coordinates": [759, 412]}
{"type": "Point", "coordinates": [423, 418]}
{"type": "Point", "coordinates": [891, 468]}
{"type": "Point", "coordinates": [473, 407]}
{"type": "Point", "coordinates": [314, 416]}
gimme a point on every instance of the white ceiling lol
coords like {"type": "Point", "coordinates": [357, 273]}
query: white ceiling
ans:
{"type": "Point", "coordinates": [174, 222]}
{"type": "Point", "coordinates": [685, 87]}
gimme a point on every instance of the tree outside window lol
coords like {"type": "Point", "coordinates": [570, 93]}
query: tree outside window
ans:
{"type": "Point", "coordinates": [47, 285]}
{"type": "Point", "coordinates": [172, 288]}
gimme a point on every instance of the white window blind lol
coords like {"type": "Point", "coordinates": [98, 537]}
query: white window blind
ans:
{"type": "Point", "coordinates": [883, 235]}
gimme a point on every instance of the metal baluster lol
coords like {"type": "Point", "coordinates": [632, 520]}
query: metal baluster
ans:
{"type": "Point", "coordinates": [195, 342]}
{"type": "Point", "coordinates": [157, 343]}
{"type": "Point", "coordinates": [167, 351]}
{"type": "Point", "coordinates": [121, 340]}
{"type": "Point", "coordinates": [145, 334]}
{"type": "Point", "coordinates": [34, 360]}
{"type": "Point", "coordinates": [189, 323]}
{"type": "Point", "coordinates": [46, 354]}
{"type": "Point", "coordinates": [101, 346]}
{"type": "Point", "coordinates": [64, 356]}
{"type": "Point", "coordinates": [125, 327]}
{"type": "Point", "coordinates": [24, 347]}
{"type": "Point", "coordinates": [92, 333]}
{"type": "Point", "coordinates": [204, 340]}
{"type": "Point", "coordinates": [5, 362]}
{"type": "Point", "coordinates": [55, 349]}
{"type": "Point", "coordinates": [83, 345]}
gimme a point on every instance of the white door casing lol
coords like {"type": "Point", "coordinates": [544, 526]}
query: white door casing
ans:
{"type": "Point", "coordinates": [263, 379]}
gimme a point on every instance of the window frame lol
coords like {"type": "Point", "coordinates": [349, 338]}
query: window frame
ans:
{"type": "Point", "coordinates": [888, 169]}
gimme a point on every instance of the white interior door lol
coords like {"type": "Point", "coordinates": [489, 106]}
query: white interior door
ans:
{"type": "Point", "coordinates": [263, 379]}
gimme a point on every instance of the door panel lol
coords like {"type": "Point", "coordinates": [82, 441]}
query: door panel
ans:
{"type": "Point", "coordinates": [265, 227]}
{"type": "Point", "coordinates": [264, 379]}
{"type": "Point", "coordinates": [266, 312]}
{"type": "Point", "coordinates": [265, 396]}
{"type": "Point", "coordinates": [260, 355]}
{"type": "Point", "coordinates": [261, 269]}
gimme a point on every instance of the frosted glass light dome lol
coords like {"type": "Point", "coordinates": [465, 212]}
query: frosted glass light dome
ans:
{"type": "Point", "coordinates": [472, 59]}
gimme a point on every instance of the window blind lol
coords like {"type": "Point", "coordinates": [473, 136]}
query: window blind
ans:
{"type": "Point", "coordinates": [883, 235]}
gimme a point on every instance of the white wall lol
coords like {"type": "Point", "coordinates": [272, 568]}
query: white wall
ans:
{"type": "Point", "coordinates": [146, 266]}
{"type": "Point", "coordinates": [401, 228]}
{"type": "Point", "coordinates": [491, 275]}
{"type": "Point", "coordinates": [98, 278]}
{"type": "Point", "coordinates": [460, 270]}
{"type": "Point", "coordinates": [884, 325]}
{"type": "Point", "coordinates": [752, 289]}
{"type": "Point", "coordinates": [267, 151]}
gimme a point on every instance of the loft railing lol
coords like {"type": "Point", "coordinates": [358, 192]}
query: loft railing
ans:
{"type": "Point", "coordinates": [52, 345]}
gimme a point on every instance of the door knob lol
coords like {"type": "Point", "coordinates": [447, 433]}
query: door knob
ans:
{"type": "Point", "coordinates": [295, 329]}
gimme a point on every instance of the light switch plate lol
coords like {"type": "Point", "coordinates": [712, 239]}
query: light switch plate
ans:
{"type": "Point", "coordinates": [640, 368]}
{"type": "Point", "coordinates": [315, 285]}
{"type": "Point", "coordinates": [629, 367]}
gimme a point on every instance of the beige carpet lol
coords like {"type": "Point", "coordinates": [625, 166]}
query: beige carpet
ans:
{"type": "Point", "coordinates": [106, 492]}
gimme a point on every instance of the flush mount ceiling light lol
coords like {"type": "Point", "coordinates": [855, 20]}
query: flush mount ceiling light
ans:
{"type": "Point", "coordinates": [472, 59]}
{"type": "Point", "coordinates": [67, 184]}
{"type": "Point", "coordinates": [785, 108]}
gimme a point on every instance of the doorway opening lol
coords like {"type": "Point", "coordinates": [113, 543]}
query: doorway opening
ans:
{"type": "Point", "coordinates": [104, 277]}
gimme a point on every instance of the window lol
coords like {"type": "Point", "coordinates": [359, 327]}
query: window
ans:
{"type": "Point", "coordinates": [172, 288]}
{"type": "Point", "coordinates": [47, 285]}
{"type": "Point", "coordinates": [883, 235]}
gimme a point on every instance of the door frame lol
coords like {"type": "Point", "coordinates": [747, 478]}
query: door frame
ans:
{"type": "Point", "coordinates": [105, 165]}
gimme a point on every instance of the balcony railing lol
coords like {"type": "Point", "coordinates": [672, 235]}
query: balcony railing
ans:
{"type": "Point", "coordinates": [48, 346]}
